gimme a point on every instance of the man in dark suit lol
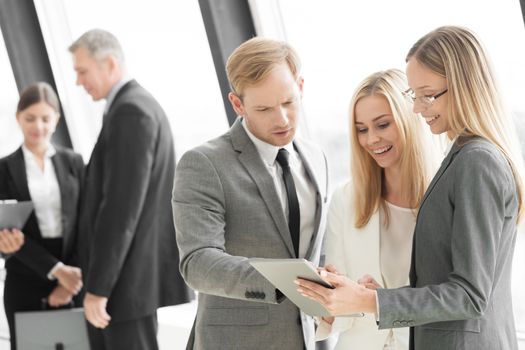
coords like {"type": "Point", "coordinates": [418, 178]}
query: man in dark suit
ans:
{"type": "Point", "coordinates": [127, 241]}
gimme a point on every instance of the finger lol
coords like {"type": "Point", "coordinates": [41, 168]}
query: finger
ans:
{"type": "Point", "coordinates": [92, 317]}
{"type": "Point", "coordinates": [101, 316]}
{"type": "Point", "coordinates": [77, 272]}
{"type": "Point", "coordinates": [370, 285]}
{"type": "Point", "coordinates": [331, 268]}
{"type": "Point", "coordinates": [19, 238]}
{"type": "Point", "coordinates": [103, 320]}
{"type": "Point", "coordinates": [364, 280]}
{"type": "Point", "coordinates": [88, 313]}
{"type": "Point", "coordinates": [367, 278]}
{"type": "Point", "coordinates": [77, 289]}
{"type": "Point", "coordinates": [10, 244]}
{"type": "Point", "coordinates": [51, 301]}
{"type": "Point", "coordinates": [333, 278]}
{"type": "Point", "coordinates": [312, 290]}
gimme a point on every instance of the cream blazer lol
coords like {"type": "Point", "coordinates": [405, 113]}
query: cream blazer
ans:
{"type": "Point", "coordinates": [355, 252]}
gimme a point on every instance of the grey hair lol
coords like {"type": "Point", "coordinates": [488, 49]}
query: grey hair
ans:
{"type": "Point", "coordinates": [100, 44]}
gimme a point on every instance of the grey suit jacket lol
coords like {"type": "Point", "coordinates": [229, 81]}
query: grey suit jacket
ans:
{"type": "Point", "coordinates": [462, 255]}
{"type": "Point", "coordinates": [226, 210]}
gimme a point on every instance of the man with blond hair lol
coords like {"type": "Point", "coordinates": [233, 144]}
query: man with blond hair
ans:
{"type": "Point", "coordinates": [256, 191]}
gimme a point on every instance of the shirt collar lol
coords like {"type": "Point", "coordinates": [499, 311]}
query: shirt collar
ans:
{"type": "Point", "coordinates": [50, 152]}
{"type": "Point", "coordinates": [114, 91]}
{"type": "Point", "coordinates": [267, 151]}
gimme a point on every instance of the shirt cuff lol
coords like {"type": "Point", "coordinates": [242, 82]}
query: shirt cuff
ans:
{"type": "Point", "coordinates": [53, 270]}
{"type": "Point", "coordinates": [377, 309]}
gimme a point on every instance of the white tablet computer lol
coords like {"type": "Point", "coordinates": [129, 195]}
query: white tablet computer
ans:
{"type": "Point", "coordinates": [282, 273]}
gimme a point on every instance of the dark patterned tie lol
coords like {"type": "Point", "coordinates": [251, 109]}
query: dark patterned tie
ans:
{"type": "Point", "coordinates": [294, 216]}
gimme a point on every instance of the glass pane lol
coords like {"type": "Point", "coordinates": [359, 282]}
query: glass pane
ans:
{"type": "Point", "coordinates": [353, 39]}
{"type": "Point", "coordinates": [10, 134]}
{"type": "Point", "coordinates": [167, 52]}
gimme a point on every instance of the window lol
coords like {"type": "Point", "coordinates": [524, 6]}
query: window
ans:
{"type": "Point", "coordinates": [10, 134]}
{"type": "Point", "coordinates": [166, 50]}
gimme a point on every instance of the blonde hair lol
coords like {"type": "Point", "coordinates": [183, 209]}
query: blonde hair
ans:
{"type": "Point", "coordinates": [367, 175]}
{"type": "Point", "coordinates": [475, 108]}
{"type": "Point", "coordinates": [253, 60]}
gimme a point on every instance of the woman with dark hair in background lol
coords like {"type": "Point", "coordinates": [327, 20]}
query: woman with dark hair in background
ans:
{"type": "Point", "coordinates": [40, 265]}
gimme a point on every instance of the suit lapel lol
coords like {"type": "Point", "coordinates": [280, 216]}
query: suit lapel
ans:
{"type": "Point", "coordinates": [16, 166]}
{"type": "Point", "coordinates": [252, 162]}
{"type": "Point", "coordinates": [62, 171]}
{"type": "Point", "coordinates": [444, 165]}
{"type": "Point", "coordinates": [456, 147]}
{"type": "Point", "coordinates": [109, 111]}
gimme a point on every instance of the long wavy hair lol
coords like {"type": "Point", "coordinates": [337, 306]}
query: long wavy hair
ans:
{"type": "Point", "coordinates": [475, 107]}
{"type": "Point", "coordinates": [367, 175]}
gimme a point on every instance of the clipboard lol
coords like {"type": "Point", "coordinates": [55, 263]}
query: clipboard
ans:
{"type": "Point", "coordinates": [14, 214]}
{"type": "Point", "coordinates": [282, 273]}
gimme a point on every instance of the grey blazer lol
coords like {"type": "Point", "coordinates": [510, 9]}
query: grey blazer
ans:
{"type": "Point", "coordinates": [461, 256]}
{"type": "Point", "coordinates": [226, 210]}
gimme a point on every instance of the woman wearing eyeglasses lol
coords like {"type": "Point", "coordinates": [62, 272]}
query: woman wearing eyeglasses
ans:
{"type": "Point", "coordinates": [460, 277]}
{"type": "Point", "coordinates": [40, 265]}
{"type": "Point", "coordinates": [371, 218]}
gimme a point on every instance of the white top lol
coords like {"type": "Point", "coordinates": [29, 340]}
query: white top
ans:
{"type": "Point", "coordinates": [395, 243]}
{"type": "Point", "coordinates": [356, 252]}
{"type": "Point", "coordinates": [45, 193]}
{"type": "Point", "coordinates": [306, 192]}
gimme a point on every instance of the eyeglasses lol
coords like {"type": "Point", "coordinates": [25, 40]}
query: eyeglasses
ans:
{"type": "Point", "coordinates": [425, 101]}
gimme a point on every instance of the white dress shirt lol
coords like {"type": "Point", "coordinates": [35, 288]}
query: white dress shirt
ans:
{"type": "Point", "coordinates": [45, 193]}
{"type": "Point", "coordinates": [306, 193]}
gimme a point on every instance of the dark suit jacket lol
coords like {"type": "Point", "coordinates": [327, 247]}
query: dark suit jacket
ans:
{"type": "Point", "coordinates": [127, 238]}
{"type": "Point", "coordinates": [32, 257]}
